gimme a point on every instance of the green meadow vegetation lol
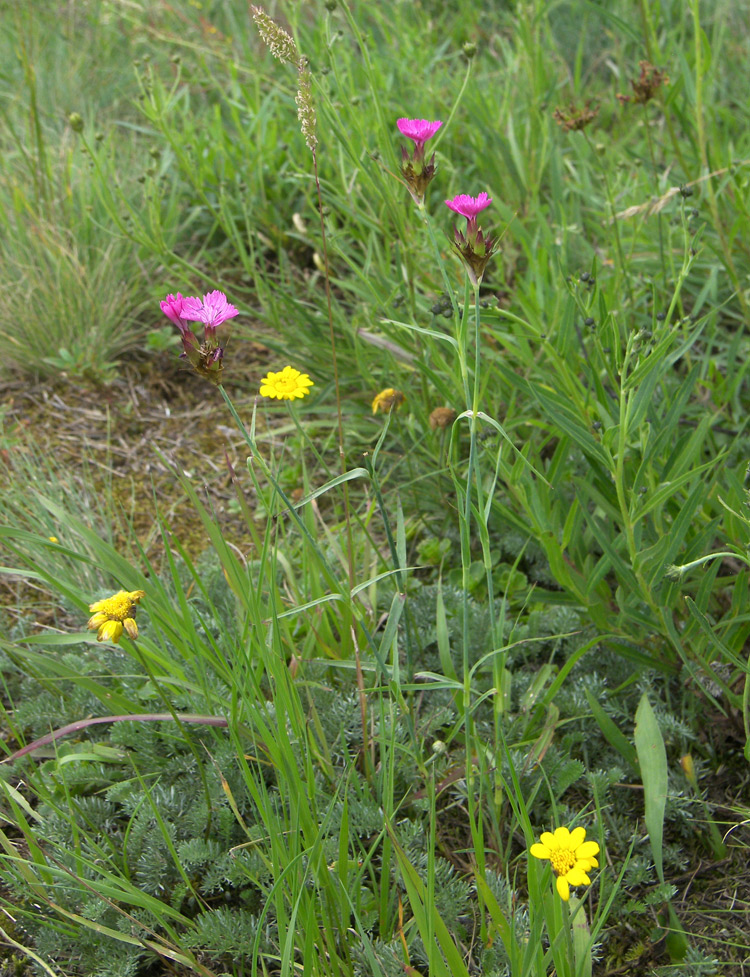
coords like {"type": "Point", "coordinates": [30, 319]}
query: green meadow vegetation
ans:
{"type": "Point", "coordinates": [366, 667]}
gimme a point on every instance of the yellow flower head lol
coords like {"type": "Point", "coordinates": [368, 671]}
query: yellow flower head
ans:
{"type": "Point", "coordinates": [115, 614]}
{"type": "Point", "coordinates": [288, 384]}
{"type": "Point", "coordinates": [387, 400]}
{"type": "Point", "coordinates": [571, 857]}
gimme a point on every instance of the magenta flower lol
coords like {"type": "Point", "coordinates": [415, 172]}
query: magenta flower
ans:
{"type": "Point", "coordinates": [416, 170]}
{"type": "Point", "coordinates": [473, 247]}
{"type": "Point", "coordinates": [172, 308]}
{"type": "Point", "coordinates": [420, 130]}
{"type": "Point", "coordinates": [467, 206]}
{"type": "Point", "coordinates": [213, 310]}
{"type": "Point", "coordinates": [206, 357]}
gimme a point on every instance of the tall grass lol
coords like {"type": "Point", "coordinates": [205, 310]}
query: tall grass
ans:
{"type": "Point", "coordinates": [385, 741]}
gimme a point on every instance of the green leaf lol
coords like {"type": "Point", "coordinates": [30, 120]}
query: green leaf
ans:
{"type": "Point", "coordinates": [581, 938]}
{"type": "Point", "coordinates": [414, 886]}
{"type": "Point", "coordinates": [611, 732]}
{"type": "Point", "coordinates": [338, 480]}
{"type": "Point", "coordinates": [652, 757]}
{"type": "Point", "coordinates": [561, 415]}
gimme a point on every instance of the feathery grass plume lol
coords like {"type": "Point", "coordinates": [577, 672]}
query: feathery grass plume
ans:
{"type": "Point", "coordinates": [305, 106]}
{"type": "Point", "coordinates": [279, 43]}
{"type": "Point", "coordinates": [282, 46]}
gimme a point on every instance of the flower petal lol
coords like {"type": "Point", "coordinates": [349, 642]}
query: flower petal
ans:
{"type": "Point", "coordinates": [563, 888]}
{"type": "Point", "coordinates": [540, 851]}
{"type": "Point", "coordinates": [562, 837]}
{"type": "Point", "coordinates": [587, 850]}
{"type": "Point", "coordinates": [110, 631]}
{"type": "Point", "coordinates": [97, 620]}
{"type": "Point", "coordinates": [577, 876]}
{"type": "Point", "coordinates": [577, 837]}
{"type": "Point", "coordinates": [131, 627]}
{"type": "Point", "coordinates": [548, 840]}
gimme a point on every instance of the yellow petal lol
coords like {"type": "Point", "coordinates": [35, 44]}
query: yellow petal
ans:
{"type": "Point", "coordinates": [110, 631]}
{"type": "Point", "coordinates": [97, 620]}
{"type": "Point", "coordinates": [577, 837]}
{"type": "Point", "coordinates": [563, 888]}
{"type": "Point", "coordinates": [587, 850]}
{"type": "Point", "coordinates": [136, 595]}
{"type": "Point", "coordinates": [97, 605]}
{"type": "Point", "coordinates": [131, 627]}
{"type": "Point", "coordinates": [540, 851]}
{"type": "Point", "coordinates": [562, 837]}
{"type": "Point", "coordinates": [548, 840]}
{"type": "Point", "coordinates": [577, 876]}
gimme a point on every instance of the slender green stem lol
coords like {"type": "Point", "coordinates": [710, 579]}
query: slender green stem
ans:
{"type": "Point", "coordinates": [308, 440]}
{"type": "Point", "coordinates": [652, 153]}
{"type": "Point", "coordinates": [334, 364]}
{"type": "Point", "coordinates": [439, 259]}
{"type": "Point", "coordinates": [613, 217]}
{"type": "Point", "coordinates": [703, 149]}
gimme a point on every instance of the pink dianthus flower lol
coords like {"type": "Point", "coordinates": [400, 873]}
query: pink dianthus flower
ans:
{"type": "Point", "coordinates": [206, 357]}
{"type": "Point", "coordinates": [172, 307]}
{"type": "Point", "coordinates": [473, 246]}
{"type": "Point", "coordinates": [213, 310]}
{"type": "Point", "coordinates": [417, 171]}
{"type": "Point", "coordinates": [420, 130]}
{"type": "Point", "coordinates": [467, 206]}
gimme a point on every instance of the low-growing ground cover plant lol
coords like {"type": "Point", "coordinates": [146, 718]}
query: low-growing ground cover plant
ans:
{"type": "Point", "coordinates": [439, 667]}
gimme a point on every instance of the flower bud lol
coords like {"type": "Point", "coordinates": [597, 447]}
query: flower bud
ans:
{"type": "Point", "coordinates": [688, 768]}
{"type": "Point", "coordinates": [75, 121]}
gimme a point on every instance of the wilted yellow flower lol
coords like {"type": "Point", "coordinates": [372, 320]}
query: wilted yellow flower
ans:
{"type": "Point", "coordinates": [571, 857]}
{"type": "Point", "coordinates": [442, 417]}
{"type": "Point", "coordinates": [388, 399]}
{"type": "Point", "coordinates": [115, 614]}
{"type": "Point", "coordinates": [287, 384]}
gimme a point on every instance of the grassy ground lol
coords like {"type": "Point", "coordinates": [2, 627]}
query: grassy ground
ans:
{"type": "Point", "coordinates": [377, 654]}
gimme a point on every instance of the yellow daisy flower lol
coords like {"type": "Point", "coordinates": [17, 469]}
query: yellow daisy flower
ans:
{"type": "Point", "coordinates": [387, 400]}
{"type": "Point", "coordinates": [115, 614]}
{"type": "Point", "coordinates": [571, 857]}
{"type": "Point", "coordinates": [288, 384]}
